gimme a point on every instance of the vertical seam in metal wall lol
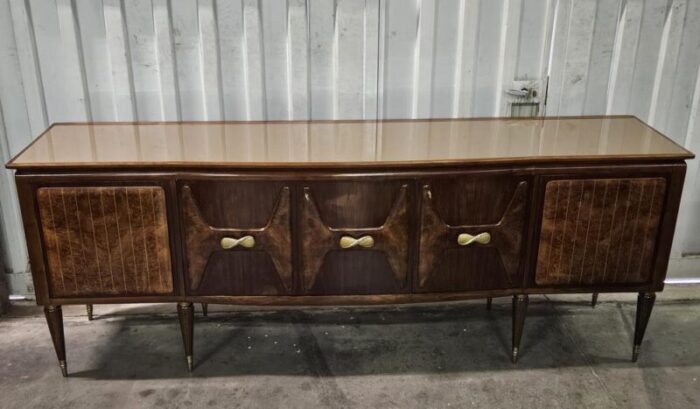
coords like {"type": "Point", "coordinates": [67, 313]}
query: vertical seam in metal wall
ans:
{"type": "Point", "coordinates": [431, 109]}
{"type": "Point", "coordinates": [334, 62]}
{"type": "Point", "coordinates": [176, 77]}
{"type": "Point", "coordinates": [416, 61]}
{"type": "Point", "coordinates": [219, 68]}
{"type": "Point", "coordinates": [87, 101]}
{"type": "Point", "coordinates": [477, 50]}
{"type": "Point", "coordinates": [364, 60]}
{"type": "Point", "coordinates": [693, 119]}
{"type": "Point", "coordinates": [381, 43]}
{"type": "Point", "coordinates": [37, 70]}
{"type": "Point", "coordinates": [129, 66]}
{"type": "Point", "coordinates": [81, 64]}
{"type": "Point", "coordinates": [244, 63]}
{"type": "Point", "coordinates": [309, 94]}
{"type": "Point", "coordinates": [566, 55]}
{"type": "Point", "coordinates": [288, 61]}
{"type": "Point", "coordinates": [615, 57]}
{"type": "Point", "coordinates": [658, 71]}
{"type": "Point", "coordinates": [545, 55]}
{"type": "Point", "coordinates": [502, 46]}
{"type": "Point", "coordinates": [636, 53]}
{"type": "Point", "coordinates": [634, 67]}
{"type": "Point", "coordinates": [130, 72]}
{"type": "Point", "coordinates": [264, 74]}
{"type": "Point", "coordinates": [588, 63]}
{"type": "Point", "coordinates": [35, 50]}
{"type": "Point", "coordinates": [200, 56]}
{"type": "Point", "coordinates": [381, 40]}
{"type": "Point", "coordinates": [675, 70]}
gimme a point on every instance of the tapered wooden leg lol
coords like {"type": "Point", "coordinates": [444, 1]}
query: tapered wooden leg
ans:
{"type": "Point", "coordinates": [185, 312]}
{"type": "Point", "coordinates": [519, 310]}
{"type": "Point", "coordinates": [645, 303]}
{"type": "Point", "coordinates": [205, 308]}
{"type": "Point", "coordinates": [54, 318]}
{"type": "Point", "coordinates": [488, 303]}
{"type": "Point", "coordinates": [88, 308]}
{"type": "Point", "coordinates": [594, 300]}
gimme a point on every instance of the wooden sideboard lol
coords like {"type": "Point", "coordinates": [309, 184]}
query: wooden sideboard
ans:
{"type": "Point", "coordinates": [347, 212]}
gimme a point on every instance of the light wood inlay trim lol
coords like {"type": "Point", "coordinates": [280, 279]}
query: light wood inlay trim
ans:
{"type": "Point", "coordinates": [81, 232]}
{"type": "Point", "coordinates": [624, 214]}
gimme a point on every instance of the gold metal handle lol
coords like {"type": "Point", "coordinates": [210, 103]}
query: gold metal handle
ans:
{"type": "Point", "coordinates": [348, 242]}
{"type": "Point", "coordinates": [230, 242]}
{"type": "Point", "coordinates": [466, 239]}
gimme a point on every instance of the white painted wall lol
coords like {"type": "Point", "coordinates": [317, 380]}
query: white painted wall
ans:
{"type": "Point", "coordinates": [63, 60]}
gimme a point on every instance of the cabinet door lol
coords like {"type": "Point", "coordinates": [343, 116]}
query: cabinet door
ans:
{"type": "Point", "coordinates": [105, 241]}
{"type": "Point", "coordinates": [471, 233]}
{"type": "Point", "coordinates": [599, 231]}
{"type": "Point", "coordinates": [355, 237]}
{"type": "Point", "coordinates": [237, 237]}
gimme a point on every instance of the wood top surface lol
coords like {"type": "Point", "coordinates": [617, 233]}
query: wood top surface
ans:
{"type": "Point", "coordinates": [345, 144]}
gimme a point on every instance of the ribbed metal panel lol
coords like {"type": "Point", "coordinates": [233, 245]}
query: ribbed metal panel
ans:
{"type": "Point", "coordinates": [64, 60]}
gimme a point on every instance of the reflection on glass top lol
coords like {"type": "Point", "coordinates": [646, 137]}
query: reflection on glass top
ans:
{"type": "Point", "coordinates": [344, 142]}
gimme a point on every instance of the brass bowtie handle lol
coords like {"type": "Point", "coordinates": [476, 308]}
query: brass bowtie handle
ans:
{"type": "Point", "coordinates": [230, 242]}
{"type": "Point", "coordinates": [466, 239]}
{"type": "Point", "coordinates": [348, 242]}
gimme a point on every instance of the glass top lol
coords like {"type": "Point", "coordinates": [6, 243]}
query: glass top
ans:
{"type": "Point", "coordinates": [345, 143]}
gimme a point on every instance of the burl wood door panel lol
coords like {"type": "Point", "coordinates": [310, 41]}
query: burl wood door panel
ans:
{"type": "Point", "coordinates": [105, 241]}
{"type": "Point", "coordinates": [213, 210]}
{"type": "Point", "coordinates": [493, 204]}
{"type": "Point", "coordinates": [599, 231]}
{"type": "Point", "coordinates": [372, 218]}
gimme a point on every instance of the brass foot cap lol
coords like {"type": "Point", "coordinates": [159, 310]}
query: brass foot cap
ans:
{"type": "Point", "coordinates": [64, 368]}
{"type": "Point", "coordinates": [190, 363]}
{"type": "Point", "coordinates": [514, 357]}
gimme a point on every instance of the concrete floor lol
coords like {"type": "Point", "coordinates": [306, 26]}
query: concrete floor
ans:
{"type": "Point", "coordinates": [431, 356]}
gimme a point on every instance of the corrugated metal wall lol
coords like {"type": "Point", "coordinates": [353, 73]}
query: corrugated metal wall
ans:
{"type": "Point", "coordinates": [78, 60]}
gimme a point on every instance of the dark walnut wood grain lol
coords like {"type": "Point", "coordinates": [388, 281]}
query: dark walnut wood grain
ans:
{"type": "Point", "coordinates": [383, 210]}
{"type": "Point", "coordinates": [599, 231]}
{"type": "Point", "coordinates": [265, 269]}
{"type": "Point", "coordinates": [102, 241]}
{"type": "Point", "coordinates": [497, 209]}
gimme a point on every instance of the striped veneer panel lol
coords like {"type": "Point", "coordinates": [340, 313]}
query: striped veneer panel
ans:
{"type": "Point", "coordinates": [599, 231]}
{"type": "Point", "coordinates": [105, 240]}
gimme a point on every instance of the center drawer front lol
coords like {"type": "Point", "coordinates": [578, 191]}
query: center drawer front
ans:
{"type": "Point", "coordinates": [355, 236]}
{"type": "Point", "coordinates": [237, 237]}
{"type": "Point", "coordinates": [482, 205]}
